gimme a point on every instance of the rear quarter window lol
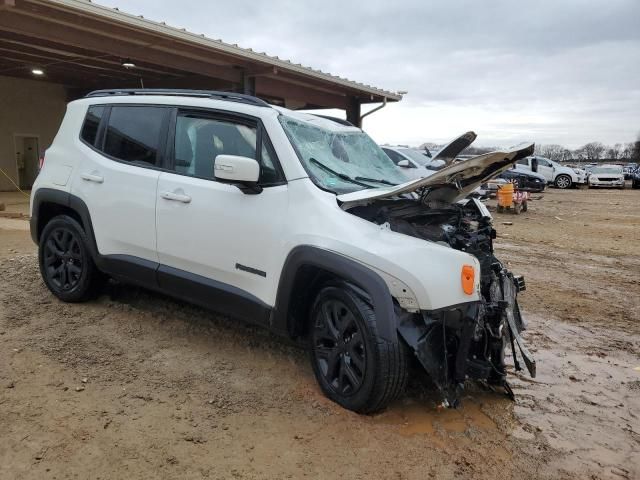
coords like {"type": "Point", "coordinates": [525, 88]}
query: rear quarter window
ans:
{"type": "Point", "coordinates": [91, 122]}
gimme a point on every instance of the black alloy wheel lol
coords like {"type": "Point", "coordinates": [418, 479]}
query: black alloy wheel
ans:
{"type": "Point", "coordinates": [63, 260]}
{"type": "Point", "coordinates": [339, 349]}
{"type": "Point", "coordinates": [66, 264]}
{"type": "Point", "coordinates": [354, 365]}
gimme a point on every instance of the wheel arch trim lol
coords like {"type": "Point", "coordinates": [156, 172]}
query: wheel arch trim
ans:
{"type": "Point", "coordinates": [343, 268]}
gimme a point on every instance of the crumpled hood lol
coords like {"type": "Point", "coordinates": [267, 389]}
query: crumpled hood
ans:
{"type": "Point", "coordinates": [450, 184]}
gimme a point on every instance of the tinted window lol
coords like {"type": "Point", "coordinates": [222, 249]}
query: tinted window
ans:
{"type": "Point", "coordinates": [91, 123]}
{"type": "Point", "coordinates": [544, 163]}
{"type": "Point", "coordinates": [199, 141]}
{"type": "Point", "coordinates": [133, 133]}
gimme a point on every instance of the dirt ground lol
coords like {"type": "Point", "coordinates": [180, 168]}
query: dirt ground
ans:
{"type": "Point", "coordinates": [135, 385]}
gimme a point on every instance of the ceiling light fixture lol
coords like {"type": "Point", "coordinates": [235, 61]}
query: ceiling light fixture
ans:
{"type": "Point", "coordinates": [37, 71]}
{"type": "Point", "coordinates": [128, 64]}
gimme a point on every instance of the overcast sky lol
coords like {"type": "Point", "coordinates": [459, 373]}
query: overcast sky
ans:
{"type": "Point", "coordinates": [554, 71]}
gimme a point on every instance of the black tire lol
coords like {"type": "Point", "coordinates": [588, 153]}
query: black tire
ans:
{"type": "Point", "coordinates": [563, 181]}
{"type": "Point", "coordinates": [518, 183]}
{"type": "Point", "coordinates": [354, 366]}
{"type": "Point", "coordinates": [65, 262]}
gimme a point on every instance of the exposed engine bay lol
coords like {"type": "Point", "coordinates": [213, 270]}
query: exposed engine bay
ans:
{"type": "Point", "coordinates": [465, 342]}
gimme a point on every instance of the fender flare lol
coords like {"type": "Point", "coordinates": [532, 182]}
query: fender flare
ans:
{"type": "Point", "coordinates": [346, 269]}
{"type": "Point", "coordinates": [67, 200]}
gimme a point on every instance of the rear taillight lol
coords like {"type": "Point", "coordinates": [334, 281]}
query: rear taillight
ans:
{"type": "Point", "coordinates": [41, 162]}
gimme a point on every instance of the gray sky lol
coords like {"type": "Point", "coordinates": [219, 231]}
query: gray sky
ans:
{"type": "Point", "coordinates": [551, 71]}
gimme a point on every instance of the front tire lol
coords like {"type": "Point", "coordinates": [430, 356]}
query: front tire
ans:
{"type": "Point", "coordinates": [65, 262]}
{"type": "Point", "coordinates": [354, 366]}
{"type": "Point", "coordinates": [563, 181]}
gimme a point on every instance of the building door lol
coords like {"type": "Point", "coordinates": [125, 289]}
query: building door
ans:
{"type": "Point", "coordinates": [26, 160]}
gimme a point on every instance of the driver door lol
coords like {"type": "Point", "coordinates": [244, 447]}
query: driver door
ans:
{"type": "Point", "coordinates": [211, 235]}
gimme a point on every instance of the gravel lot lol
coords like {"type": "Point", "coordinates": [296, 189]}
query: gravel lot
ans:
{"type": "Point", "coordinates": [135, 385]}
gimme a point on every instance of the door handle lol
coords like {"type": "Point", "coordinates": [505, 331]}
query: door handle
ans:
{"type": "Point", "coordinates": [176, 197]}
{"type": "Point", "coordinates": [91, 177]}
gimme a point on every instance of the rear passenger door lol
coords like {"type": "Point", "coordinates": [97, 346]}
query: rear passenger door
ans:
{"type": "Point", "coordinates": [211, 235]}
{"type": "Point", "coordinates": [122, 147]}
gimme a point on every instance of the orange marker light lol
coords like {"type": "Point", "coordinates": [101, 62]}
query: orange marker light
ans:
{"type": "Point", "coordinates": [468, 279]}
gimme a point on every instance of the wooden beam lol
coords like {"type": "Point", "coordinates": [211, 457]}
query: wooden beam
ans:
{"type": "Point", "coordinates": [280, 88]}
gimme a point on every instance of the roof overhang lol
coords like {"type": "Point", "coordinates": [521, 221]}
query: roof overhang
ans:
{"type": "Point", "coordinates": [83, 45]}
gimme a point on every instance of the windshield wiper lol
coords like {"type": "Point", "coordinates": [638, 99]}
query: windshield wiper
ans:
{"type": "Point", "coordinates": [341, 176]}
{"type": "Point", "coordinates": [376, 180]}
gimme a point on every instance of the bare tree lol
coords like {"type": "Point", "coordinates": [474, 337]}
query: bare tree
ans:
{"type": "Point", "coordinates": [627, 151]}
{"type": "Point", "coordinates": [552, 152]}
{"type": "Point", "coordinates": [635, 154]}
{"type": "Point", "coordinates": [615, 152]}
{"type": "Point", "coordinates": [593, 151]}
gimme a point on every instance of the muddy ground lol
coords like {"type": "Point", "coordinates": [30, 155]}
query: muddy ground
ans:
{"type": "Point", "coordinates": [134, 385]}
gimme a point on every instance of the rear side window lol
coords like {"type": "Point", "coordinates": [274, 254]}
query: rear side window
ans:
{"type": "Point", "coordinates": [91, 123]}
{"type": "Point", "coordinates": [133, 133]}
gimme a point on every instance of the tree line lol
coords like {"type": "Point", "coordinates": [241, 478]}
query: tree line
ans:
{"type": "Point", "coordinates": [591, 152]}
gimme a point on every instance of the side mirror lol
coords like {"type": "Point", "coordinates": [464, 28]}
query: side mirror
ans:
{"type": "Point", "coordinates": [404, 164]}
{"type": "Point", "coordinates": [243, 171]}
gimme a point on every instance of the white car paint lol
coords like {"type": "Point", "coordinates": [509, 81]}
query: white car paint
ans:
{"type": "Point", "coordinates": [552, 171]}
{"type": "Point", "coordinates": [607, 176]}
{"type": "Point", "coordinates": [206, 227]}
{"type": "Point", "coordinates": [411, 162]}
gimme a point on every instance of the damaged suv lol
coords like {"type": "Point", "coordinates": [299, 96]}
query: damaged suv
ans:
{"type": "Point", "coordinates": [295, 222]}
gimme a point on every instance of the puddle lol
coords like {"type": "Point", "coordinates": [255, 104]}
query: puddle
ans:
{"type": "Point", "coordinates": [423, 419]}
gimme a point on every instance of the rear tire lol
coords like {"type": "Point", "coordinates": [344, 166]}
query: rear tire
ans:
{"type": "Point", "coordinates": [65, 262]}
{"type": "Point", "coordinates": [354, 366]}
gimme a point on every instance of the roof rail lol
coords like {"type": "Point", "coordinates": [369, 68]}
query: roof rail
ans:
{"type": "Point", "coordinates": [228, 96]}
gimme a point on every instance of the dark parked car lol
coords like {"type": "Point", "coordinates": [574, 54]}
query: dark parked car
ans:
{"type": "Point", "coordinates": [635, 178]}
{"type": "Point", "coordinates": [528, 181]}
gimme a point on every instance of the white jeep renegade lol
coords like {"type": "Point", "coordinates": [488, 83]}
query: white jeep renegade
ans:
{"type": "Point", "coordinates": [293, 221]}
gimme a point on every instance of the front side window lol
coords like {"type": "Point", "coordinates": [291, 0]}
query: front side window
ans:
{"type": "Point", "coordinates": [340, 159]}
{"type": "Point", "coordinates": [544, 163]}
{"type": "Point", "coordinates": [91, 123]}
{"type": "Point", "coordinates": [395, 156]}
{"type": "Point", "coordinates": [134, 133]}
{"type": "Point", "coordinates": [416, 156]}
{"type": "Point", "coordinates": [199, 140]}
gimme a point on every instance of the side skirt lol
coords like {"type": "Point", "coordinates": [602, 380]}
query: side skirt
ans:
{"type": "Point", "coordinates": [202, 291]}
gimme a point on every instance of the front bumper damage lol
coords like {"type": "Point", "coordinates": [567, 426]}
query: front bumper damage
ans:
{"type": "Point", "coordinates": [468, 341]}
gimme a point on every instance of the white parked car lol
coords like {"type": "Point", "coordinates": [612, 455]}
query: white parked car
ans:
{"type": "Point", "coordinates": [607, 176]}
{"type": "Point", "coordinates": [416, 163]}
{"type": "Point", "coordinates": [555, 174]}
{"type": "Point", "coordinates": [298, 223]}
{"type": "Point", "coordinates": [412, 162]}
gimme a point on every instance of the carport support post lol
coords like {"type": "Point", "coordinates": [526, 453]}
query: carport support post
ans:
{"type": "Point", "coordinates": [248, 84]}
{"type": "Point", "coordinates": [353, 112]}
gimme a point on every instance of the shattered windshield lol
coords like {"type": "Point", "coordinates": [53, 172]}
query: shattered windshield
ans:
{"type": "Point", "coordinates": [341, 160]}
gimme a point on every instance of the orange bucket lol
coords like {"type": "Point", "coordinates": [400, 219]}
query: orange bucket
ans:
{"type": "Point", "coordinates": [505, 195]}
